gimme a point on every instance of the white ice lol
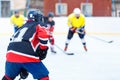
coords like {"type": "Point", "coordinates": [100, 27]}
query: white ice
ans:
{"type": "Point", "coordinates": [101, 62]}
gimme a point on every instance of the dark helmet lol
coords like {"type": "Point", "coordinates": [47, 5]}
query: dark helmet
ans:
{"type": "Point", "coordinates": [35, 15]}
{"type": "Point", "coordinates": [16, 11]}
{"type": "Point", "coordinates": [50, 14]}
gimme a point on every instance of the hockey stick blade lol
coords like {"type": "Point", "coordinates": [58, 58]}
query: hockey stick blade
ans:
{"type": "Point", "coordinates": [69, 53]}
{"type": "Point", "coordinates": [110, 41]}
{"type": "Point", "coordinates": [63, 50]}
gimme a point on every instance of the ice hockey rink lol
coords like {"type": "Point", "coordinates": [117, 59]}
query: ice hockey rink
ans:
{"type": "Point", "coordinates": [100, 62]}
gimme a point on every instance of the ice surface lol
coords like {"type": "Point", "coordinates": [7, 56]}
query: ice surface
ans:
{"type": "Point", "coordinates": [101, 62]}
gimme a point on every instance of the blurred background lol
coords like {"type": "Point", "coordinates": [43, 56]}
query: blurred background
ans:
{"type": "Point", "coordinates": [109, 8]}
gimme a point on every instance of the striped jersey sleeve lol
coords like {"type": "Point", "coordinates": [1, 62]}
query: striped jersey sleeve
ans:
{"type": "Point", "coordinates": [43, 35]}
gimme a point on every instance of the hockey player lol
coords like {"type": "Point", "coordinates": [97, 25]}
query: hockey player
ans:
{"type": "Point", "coordinates": [27, 48]}
{"type": "Point", "coordinates": [17, 20]}
{"type": "Point", "coordinates": [76, 23]}
{"type": "Point", "coordinates": [50, 26]}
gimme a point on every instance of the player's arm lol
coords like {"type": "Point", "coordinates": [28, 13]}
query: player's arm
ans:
{"type": "Point", "coordinates": [12, 20]}
{"type": "Point", "coordinates": [82, 27]}
{"type": "Point", "coordinates": [23, 18]}
{"type": "Point", "coordinates": [69, 22]}
{"type": "Point", "coordinates": [43, 36]}
{"type": "Point", "coordinates": [22, 21]}
{"type": "Point", "coordinates": [83, 21]}
{"type": "Point", "coordinates": [72, 28]}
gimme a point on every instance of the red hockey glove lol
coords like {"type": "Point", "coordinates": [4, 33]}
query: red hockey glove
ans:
{"type": "Point", "coordinates": [73, 29]}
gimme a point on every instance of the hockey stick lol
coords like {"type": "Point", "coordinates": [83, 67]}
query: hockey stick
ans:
{"type": "Point", "coordinates": [97, 38]}
{"type": "Point", "coordinates": [20, 78]}
{"type": "Point", "coordinates": [94, 37]}
{"type": "Point", "coordinates": [63, 50]}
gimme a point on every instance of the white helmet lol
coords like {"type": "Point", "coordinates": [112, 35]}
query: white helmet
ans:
{"type": "Point", "coordinates": [76, 11]}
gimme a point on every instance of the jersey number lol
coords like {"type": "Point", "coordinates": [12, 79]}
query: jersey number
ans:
{"type": "Point", "coordinates": [18, 36]}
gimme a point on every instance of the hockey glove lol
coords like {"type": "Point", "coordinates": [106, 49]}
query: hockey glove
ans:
{"type": "Point", "coordinates": [72, 29]}
{"type": "Point", "coordinates": [42, 53]}
{"type": "Point", "coordinates": [50, 39]}
{"type": "Point", "coordinates": [80, 30]}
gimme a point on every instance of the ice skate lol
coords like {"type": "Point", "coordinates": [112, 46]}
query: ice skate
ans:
{"type": "Point", "coordinates": [85, 48]}
{"type": "Point", "coordinates": [53, 51]}
{"type": "Point", "coordinates": [66, 47]}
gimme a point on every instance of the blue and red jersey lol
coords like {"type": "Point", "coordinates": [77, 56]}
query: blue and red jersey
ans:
{"type": "Point", "coordinates": [23, 44]}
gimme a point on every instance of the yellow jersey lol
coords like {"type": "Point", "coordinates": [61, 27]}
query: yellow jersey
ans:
{"type": "Point", "coordinates": [17, 21]}
{"type": "Point", "coordinates": [76, 22]}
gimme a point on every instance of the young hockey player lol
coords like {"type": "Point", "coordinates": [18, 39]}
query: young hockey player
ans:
{"type": "Point", "coordinates": [17, 20]}
{"type": "Point", "coordinates": [76, 23]}
{"type": "Point", "coordinates": [50, 26]}
{"type": "Point", "coordinates": [26, 50]}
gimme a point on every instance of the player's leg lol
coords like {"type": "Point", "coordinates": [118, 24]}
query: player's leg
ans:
{"type": "Point", "coordinates": [52, 42]}
{"type": "Point", "coordinates": [11, 70]}
{"type": "Point", "coordinates": [69, 37]}
{"type": "Point", "coordinates": [23, 73]}
{"type": "Point", "coordinates": [83, 40]}
{"type": "Point", "coordinates": [38, 70]}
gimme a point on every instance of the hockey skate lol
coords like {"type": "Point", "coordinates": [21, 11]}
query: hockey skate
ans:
{"type": "Point", "coordinates": [85, 48]}
{"type": "Point", "coordinates": [66, 47]}
{"type": "Point", "coordinates": [53, 51]}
